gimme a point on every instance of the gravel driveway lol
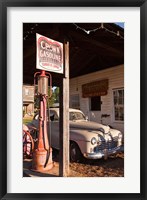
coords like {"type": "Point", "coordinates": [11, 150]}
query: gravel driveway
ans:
{"type": "Point", "coordinates": [112, 167]}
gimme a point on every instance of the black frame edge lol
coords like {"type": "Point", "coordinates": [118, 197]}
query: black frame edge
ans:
{"type": "Point", "coordinates": [143, 99]}
{"type": "Point", "coordinates": [3, 99]}
{"type": "Point", "coordinates": [75, 3]}
{"type": "Point", "coordinates": [3, 102]}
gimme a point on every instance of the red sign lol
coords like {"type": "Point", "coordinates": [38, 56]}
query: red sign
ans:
{"type": "Point", "coordinates": [49, 54]}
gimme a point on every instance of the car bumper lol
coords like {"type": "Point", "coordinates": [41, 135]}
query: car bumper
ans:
{"type": "Point", "coordinates": [104, 154]}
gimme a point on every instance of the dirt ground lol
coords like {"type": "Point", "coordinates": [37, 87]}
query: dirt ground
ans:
{"type": "Point", "coordinates": [112, 167]}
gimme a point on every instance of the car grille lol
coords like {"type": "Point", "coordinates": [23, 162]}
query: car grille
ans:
{"type": "Point", "coordinates": [107, 145]}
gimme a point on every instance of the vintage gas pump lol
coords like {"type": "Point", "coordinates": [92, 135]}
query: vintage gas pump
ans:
{"type": "Point", "coordinates": [42, 155]}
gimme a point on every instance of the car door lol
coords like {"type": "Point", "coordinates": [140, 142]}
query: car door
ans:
{"type": "Point", "coordinates": [53, 130]}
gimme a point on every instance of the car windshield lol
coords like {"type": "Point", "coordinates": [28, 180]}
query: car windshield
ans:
{"type": "Point", "coordinates": [76, 116]}
{"type": "Point", "coordinates": [72, 116]}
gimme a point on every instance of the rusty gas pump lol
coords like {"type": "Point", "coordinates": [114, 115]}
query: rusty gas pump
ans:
{"type": "Point", "coordinates": [42, 154]}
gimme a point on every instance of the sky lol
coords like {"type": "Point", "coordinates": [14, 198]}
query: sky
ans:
{"type": "Point", "coordinates": [121, 24]}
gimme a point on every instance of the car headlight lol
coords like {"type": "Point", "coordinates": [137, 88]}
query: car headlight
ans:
{"type": "Point", "coordinates": [93, 141]}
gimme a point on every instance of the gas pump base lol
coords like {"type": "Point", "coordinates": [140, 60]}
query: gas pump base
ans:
{"type": "Point", "coordinates": [39, 161]}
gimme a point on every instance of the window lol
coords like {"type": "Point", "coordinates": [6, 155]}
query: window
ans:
{"type": "Point", "coordinates": [53, 116]}
{"type": "Point", "coordinates": [118, 96]}
{"type": "Point", "coordinates": [95, 103]}
{"type": "Point", "coordinates": [75, 101]}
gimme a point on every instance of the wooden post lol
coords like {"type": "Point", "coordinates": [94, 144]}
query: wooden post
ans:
{"type": "Point", "coordinates": [64, 118]}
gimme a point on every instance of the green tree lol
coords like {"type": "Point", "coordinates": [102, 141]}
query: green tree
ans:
{"type": "Point", "coordinates": [53, 99]}
{"type": "Point", "coordinates": [56, 93]}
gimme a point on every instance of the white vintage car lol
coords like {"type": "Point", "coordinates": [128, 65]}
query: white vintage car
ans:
{"type": "Point", "coordinates": [87, 138]}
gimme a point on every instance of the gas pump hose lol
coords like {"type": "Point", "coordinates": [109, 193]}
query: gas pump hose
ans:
{"type": "Point", "coordinates": [48, 150]}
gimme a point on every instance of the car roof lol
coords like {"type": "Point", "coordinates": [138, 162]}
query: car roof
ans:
{"type": "Point", "coordinates": [70, 110]}
{"type": "Point", "coordinates": [57, 110]}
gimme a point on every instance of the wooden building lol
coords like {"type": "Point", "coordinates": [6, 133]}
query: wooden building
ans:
{"type": "Point", "coordinates": [94, 56]}
{"type": "Point", "coordinates": [100, 95]}
{"type": "Point", "coordinates": [28, 100]}
{"type": "Point", "coordinates": [96, 59]}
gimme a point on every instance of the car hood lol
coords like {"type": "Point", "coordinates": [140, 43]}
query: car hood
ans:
{"type": "Point", "coordinates": [88, 125]}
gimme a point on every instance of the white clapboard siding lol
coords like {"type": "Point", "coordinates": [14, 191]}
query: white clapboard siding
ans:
{"type": "Point", "coordinates": [115, 75]}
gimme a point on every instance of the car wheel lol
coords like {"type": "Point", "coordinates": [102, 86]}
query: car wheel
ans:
{"type": "Point", "coordinates": [28, 144]}
{"type": "Point", "coordinates": [75, 153]}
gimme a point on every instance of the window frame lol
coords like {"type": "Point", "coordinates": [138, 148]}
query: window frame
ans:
{"type": "Point", "coordinates": [114, 119]}
{"type": "Point", "coordinates": [77, 107]}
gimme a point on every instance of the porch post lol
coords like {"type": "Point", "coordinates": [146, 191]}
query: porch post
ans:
{"type": "Point", "coordinates": [64, 118]}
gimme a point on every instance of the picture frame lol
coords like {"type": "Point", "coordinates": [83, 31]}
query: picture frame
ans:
{"type": "Point", "coordinates": [4, 109]}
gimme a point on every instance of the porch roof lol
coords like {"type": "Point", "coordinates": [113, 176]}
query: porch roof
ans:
{"type": "Point", "coordinates": [92, 46]}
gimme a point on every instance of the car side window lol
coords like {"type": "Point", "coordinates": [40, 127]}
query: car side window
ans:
{"type": "Point", "coordinates": [53, 116]}
{"type": "Point", "coordinates": [72, 116]}
{"type": "Point", "coordinates": [36, 117]}
{"type": "Point", "coordinates": [56, 118]}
